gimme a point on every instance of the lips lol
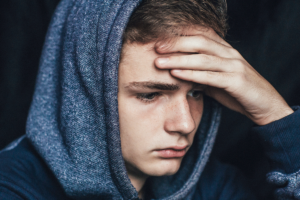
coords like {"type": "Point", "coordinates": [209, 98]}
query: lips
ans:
{"type": "Point", "coordinates": [172, 152]}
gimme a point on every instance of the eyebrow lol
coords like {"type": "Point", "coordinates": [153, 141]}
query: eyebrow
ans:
{"type": "Point", "coordinates": [153, 85]}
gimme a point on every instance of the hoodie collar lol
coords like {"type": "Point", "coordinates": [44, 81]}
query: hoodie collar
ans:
{"type": "Point", "coordinates": [73, 120]}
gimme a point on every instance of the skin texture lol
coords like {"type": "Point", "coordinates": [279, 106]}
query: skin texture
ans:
{"type": "Point", "coordinates": [156, 117]}
{"type": "Point", "coordinates": [231, 80]}
{"type": "Point", "coordinates": [166, 117]}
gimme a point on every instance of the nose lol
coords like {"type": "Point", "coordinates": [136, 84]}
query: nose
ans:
{"type": "Point", "coordinates": [179, 118]}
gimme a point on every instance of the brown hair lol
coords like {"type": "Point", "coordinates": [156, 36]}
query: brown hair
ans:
{"type": "Point", "coordinates": [155, 20]}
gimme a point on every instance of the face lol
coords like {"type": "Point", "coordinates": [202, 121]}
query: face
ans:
{"type": "Point", "coordinates": [159, 114]}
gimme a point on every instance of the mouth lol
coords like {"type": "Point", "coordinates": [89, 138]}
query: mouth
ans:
{"type": "Point", "coordinates": [172, 152]}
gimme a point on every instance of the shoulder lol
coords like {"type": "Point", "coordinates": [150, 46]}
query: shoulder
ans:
{"type": "Point", "coordinates": [24, 175]}
{"type": "Point", "coordinates": [223, 181]}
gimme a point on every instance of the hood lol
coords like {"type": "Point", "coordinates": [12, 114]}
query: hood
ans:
{"type": "Point", "coordinates": [73, 120]}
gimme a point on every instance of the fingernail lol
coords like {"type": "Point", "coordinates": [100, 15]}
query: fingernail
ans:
{"type": "Point", "coordinates": [161, 46]}
{"type": "Point", "coordinates": [162, 60]}
{"type": "Point", "coordinates": [176, 70]}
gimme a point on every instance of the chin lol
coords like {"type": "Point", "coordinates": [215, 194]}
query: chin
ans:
{"type": "Point", "coordinates": [165, 167]}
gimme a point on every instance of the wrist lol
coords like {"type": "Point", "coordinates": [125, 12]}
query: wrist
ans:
{"type": "Point", "coordinates": [274, 116]}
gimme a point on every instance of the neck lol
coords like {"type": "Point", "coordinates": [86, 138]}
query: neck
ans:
{"type": "Point", "coordinates": [137, 179]}
{"type": "Point", "coordinates": [138, 183]}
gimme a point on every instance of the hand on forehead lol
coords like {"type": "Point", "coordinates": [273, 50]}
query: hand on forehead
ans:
{"type": "Point", "coordinates": [189, 36]}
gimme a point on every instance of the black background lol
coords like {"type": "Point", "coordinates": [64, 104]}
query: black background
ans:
{"type": "Point", "coordinates": [265, 32]}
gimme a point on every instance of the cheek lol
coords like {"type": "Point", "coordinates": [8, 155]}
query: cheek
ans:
{"type": "Point", "coordinates": [140, 131]}
{"type": "Point", "coordinates": [139, 127]}
{"type": "Point", "coordinates": [139, 118]}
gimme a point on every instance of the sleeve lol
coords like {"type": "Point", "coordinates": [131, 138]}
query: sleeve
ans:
{"type": "Point", "coordinates": [8, 194]}
{"type": "Point", "coordinates": [223, 182]}
{"type": "Point", "coordinates": [281, 141]}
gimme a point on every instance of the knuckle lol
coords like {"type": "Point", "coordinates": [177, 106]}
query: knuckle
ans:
{"type": "Point", "coordinates": [202, 41]}
{"type": "Point", "coordinates": [205, 58]}
{"type": "Point", "coordinates": [238, 65]}
{"type": "Point", "coordinates": [240, 78]}
{"type": "Point", "coordinates": [192, 75]}
{"type": "Point", "coordinates": [234, 52]}
{"type": "Point", "coordinates": [214, 77]}
{"type": "Point", "coordinates": [192, 72]}
{"type": "Point", "coordinates": [210, 73]}
{"type": "Point", "coordinates": [217, 60]}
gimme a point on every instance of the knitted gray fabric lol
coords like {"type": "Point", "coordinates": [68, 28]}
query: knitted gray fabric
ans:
{"type": "Point", "coordinates": [73, 120]}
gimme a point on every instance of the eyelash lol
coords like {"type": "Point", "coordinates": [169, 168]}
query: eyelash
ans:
{"type": "Point", "coordinates": [199, 92]}
{"type": "Point", "coordinates": [146, 97]}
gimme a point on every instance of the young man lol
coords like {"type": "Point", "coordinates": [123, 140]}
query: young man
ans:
{"type": "Point", "coordinates": [105, 126]}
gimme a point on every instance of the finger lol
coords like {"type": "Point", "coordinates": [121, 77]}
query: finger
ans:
{"type": "Point", "coordinates": [198, 44]}
{"type": "Point", "coordinates": [221, 80]}
{"type": "Point", "coordinates": [201, 62]}
{"type": "Point", "coordinates": [208, 32]}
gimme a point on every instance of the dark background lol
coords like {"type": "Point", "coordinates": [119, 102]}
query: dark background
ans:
{"type": "Point", "coordinates": [265, 32]}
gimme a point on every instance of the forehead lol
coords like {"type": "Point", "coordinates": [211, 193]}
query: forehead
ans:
{"type": "Point", "coordinates": [137, 65]}
{"type": "Point", "coordinates": [137, 62]}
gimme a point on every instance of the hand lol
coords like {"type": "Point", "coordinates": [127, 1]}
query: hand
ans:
{"type": "Point", "coordinates": [230, 79]}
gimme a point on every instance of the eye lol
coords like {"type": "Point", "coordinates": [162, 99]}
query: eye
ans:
{"type": "Point", "coordinates": [147, 97]}
{"type": "Point", "coordinates": [195, 94]}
